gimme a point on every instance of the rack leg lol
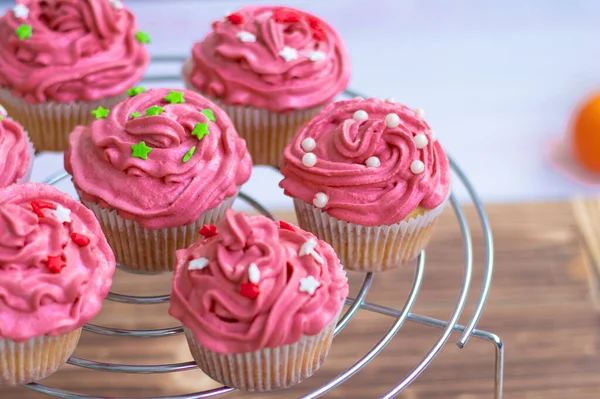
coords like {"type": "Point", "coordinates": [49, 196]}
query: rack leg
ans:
{"type": "Point", "coordinates": [499, 366]}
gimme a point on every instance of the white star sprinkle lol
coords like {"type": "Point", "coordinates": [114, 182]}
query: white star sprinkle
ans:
{"type": "Point", "coordinates": [246, 37]}
{"type": "Point", "coordinates": [316, 56]}
{"type": "Point", "coordinates": [308, 248]}
{"type": "Point", "coordinates": [253, 274]}
{"type": "Point", "coordinates": [3, 111]}
{"type": "Point", "coordinates": [289, 54]}
{"type": "Point", "coordinates": [62, 214]}
{"type": "Point", "coordinates": [117, 4]}
{"type": "Point", "coordinates": [21, 11]}
{"type": "Point", "coordinates": [309, 285]}
{"type": "Point", "coordinates": [198, 264]}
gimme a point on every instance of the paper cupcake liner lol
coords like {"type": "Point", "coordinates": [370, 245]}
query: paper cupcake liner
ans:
{"type": "Point", "coordinates": [265, 369]}
{"type": "Point", "coordinates": [49, 124]}
{"type": "Point", "coordinates": [151, 251]}
{"type": "Point", "coordinates": [267, 133]}
{"type": "Point", "coordinates": [36, 359]}
{"type": "Point", "coordinates": [370, 248]}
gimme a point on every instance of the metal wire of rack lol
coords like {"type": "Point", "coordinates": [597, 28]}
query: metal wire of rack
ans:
{"type": "Point", "coordinates": [354, 305]}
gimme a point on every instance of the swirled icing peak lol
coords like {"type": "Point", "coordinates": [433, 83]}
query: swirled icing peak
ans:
{"type": "Point", "coordinates": [274, 58]}
{"type": "Point", "coordinates": [369, 162]}
{"type": "Point", "coordinates": [15, 153]}
{"type": "Point", "coordinates": [161, 158]}
{"type": "Point", "coordinates": [55, 264]}
{"type": "Point", "coordinates": [256, 284]}
{"type": "Point", "coordinates": [70, 50]}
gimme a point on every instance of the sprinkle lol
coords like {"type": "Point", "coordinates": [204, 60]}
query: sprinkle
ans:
{"type": "Point", "coordinates": [235, 18]}
{"type": "Point", "coordinates": [420, 113]}
{"type": "Point", "coordinates": [308, 144]}
{"type": "Point", "coordinates": [249, 290]}
{"type": "Point", "coordinates": [308, 248]}
{"type": "Point", "coordinates": [134, 91]}
{"type": "Point", "coordinates": [313, 22]}
{"type": "Point", "coordinates": [421, 141]}
{"type": "Point", "coordinates": [286, 226]}
{"type": "Point", "coordinates": [309, 285]}
{"type": "Point", "coordinates": [143, 37]}
{"type": "Point", "coordinates": [320, 200]}
{"type": "Point", "coordinates": [373, 162]}
{"type": "Point", "coordinates": [24, 32]}
{"type": "Point", "coordinates": [390, 100]}
{"type": "Point", "coordinates": [360, 115]}
{"type": "Point", "coordinates": [417, 167]}
{"type": "Point", "coordinates": [140, 150]}
{"type": "Point", "coordinates": [201, 130]}
{"type": "Point", "coordinates": [309, 160]}
{"type": "Point", "coordinates": [135, 114]}
{"type": "Point", "coordinates": [316, 56]}
{"type": "Point", "coordinates": [21, 11]}
{"type": "Point", "coordinates": [38, 205]}
{"type": "Point", "coordinates": [318, 35]}
{"type": "Point", "coordinates": [154, 110]}
{"type": "Point", "coordinates": [253, 273]}
{"type": "Point", "coordinates": [433, 136]}
{"type": "Point", "coordinates": [117, 4]}
{"type": "Point", "coordinates": [209, 230]}
{"type": "Point", "coordinates": [100, 112]}
{"type": "Point", "coordinates": [392, 120]}
{"type": "Point", "coordinates": [80, 239]}
{"type": "Point", "coordinates": [62, 214]}
{"type": "Point", "coordinates": [188, 154]}
{"type": "Point", "coordinates": [286, 15]}
{"type": "Point", "coordinates": [210, 115]}
{"type": "Point", "coordinates": [359, 98]}
{"type": "Point", "coordinates": [289, 53]}
{"type": "Point", "coordinates": [3, 111]}
{"type": "Point", "coordinates": [175, 97]}
{"type": "Point", "coordinates": [246, 37]}
{"type": "Point", "coordinates": [55, 264]}
{"type": "Point", "coordinates": [198, 264]}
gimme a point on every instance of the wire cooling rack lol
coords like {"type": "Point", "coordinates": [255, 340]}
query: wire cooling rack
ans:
{"type": "Point", "coordinates": [354, 305]}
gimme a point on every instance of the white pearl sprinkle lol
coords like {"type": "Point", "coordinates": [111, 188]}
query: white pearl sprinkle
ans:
{"type": "Point", "coordinates": [253, 273]}
{"type": "Point", "coordinates": [373, 162]}
{"type": "Point", "coordinates": [433, 136]}
{"type": "Point", "coordinates": [117, 4]}
{"type": "Point", "coordinates": [309, 160]}
{"type": "Point", "coordinates": [420, 113]}
{"type": "Point", "coordinates": [198, 264]}
{"type": "Point", "coordinates": [316, 56]}
{"type": "Point", "coordinates": [390, 100]}
{"type": "Point", "coordinates": [358, 98]}
{"type": "Point", "coordinates": [246, 37]}
{"type": "Point", "coordinates": [320, 200]}
{"type": "Point", "coordinates": [392, 120]}
{"type": "Point", "coordinates": [21, 11]}
{"type": "Point", "coordinates": [309, 285]}
{"type": "Point", "coordinates": [3, 111]}
{"type": "Point", "coordinates": [417, 167]}
{"type": "Point", "coordinates": [289, 54]}
{"type": "Point", "coordinates": [421, 141]}
{"type": "Point", "coordinates": [360, 115]}
{"type": "Point", "coordinates": [309, 144]}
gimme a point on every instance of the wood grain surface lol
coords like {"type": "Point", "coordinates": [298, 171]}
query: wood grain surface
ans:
{"type": "Point", "coordinates": [539, 305]}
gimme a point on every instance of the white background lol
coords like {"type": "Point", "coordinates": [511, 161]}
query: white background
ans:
{"type": "Point", "coordinates": [497, 79]}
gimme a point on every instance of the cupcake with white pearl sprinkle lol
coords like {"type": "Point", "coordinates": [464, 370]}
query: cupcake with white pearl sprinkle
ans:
{"type": "Point", "coordinates": [370, 178]}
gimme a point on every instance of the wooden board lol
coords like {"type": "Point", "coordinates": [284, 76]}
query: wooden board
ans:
{"type": "Point", "coordinates": [539, 305]}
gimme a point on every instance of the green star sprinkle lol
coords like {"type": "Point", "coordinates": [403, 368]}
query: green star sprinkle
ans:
{"type": "Point", "coordinates": [154, 110]}
{"type": "Point", "coordinates": [140, 150]}
{"type": "Point", "coordinates": [188, 155]}
{"type": "Point", "coordinates": [143, 37]}
{"type": "Point", "coordinates": [209, 114]}
{"type": "Point", "coordinates": [175, 97]}
{"type": "Point", "coordinates": [135, 114]}
{"type": "Point", "coordinates": [24, 32]}
{"type": "Point", "coordinates": [1, 117]}
{"type": "Point", "coordinates": [200, 130]}
{"type": "Point", "coordinates": [134, 91]}
{"type": "Point", "coordinates": [100, 112]}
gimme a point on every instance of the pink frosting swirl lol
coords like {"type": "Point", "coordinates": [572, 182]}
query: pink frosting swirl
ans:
{"type": "Point", "coordinates": [36, 298]}
{"type": "Point", "coordinates": [254, 73]}
{"type": "Point", "coordinates": [79, 50]}
{"type": "Point", "coordinates": [15, 154]}
{"type": "Point", "coordinates": [163, 190]}
{"type": "Point", "coordinates": [383, 193]}
{"type": "Point", "coordinates": [209, 301]}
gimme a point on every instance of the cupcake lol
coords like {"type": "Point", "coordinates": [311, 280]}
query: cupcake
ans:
{"type": "Point", "coordinates": [16, 152]}
{"type": "Point", "coordinates": [271, 69]}
{"type": "Point", "coordinates": [56, 268]}
{"type": "Point", "coordinates": [370, 178]}
{"type": "Point", "coordinates": [62, 60]}
{"type": "Point", "coordinates": [259, 301]}
{"type": "Point", "coordinates": [155, 169]}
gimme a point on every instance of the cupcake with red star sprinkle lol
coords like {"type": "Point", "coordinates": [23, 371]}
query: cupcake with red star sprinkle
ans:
{"type": "Point", "coordinates": [259, 301]}
{"type": "Point", "coordinates": [271, 69]}
{"type": "Point", "coordinates": [155, 170]}
{"type": "Point", "coordinates": [56, 268]}
{"type": "Point", "coordinates": [16, 151]}
{"type": "Point", "coordinates": [62, 60]}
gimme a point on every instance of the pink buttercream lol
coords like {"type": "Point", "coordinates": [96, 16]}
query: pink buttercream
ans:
{"type": "Point", "coordinates": [162, 191]}
{"type": "Point", "coordinates": [15, 154]}
{"type": "Point", "coordinates": [255, 74]}
{"type": "Point", "coordinates": [369, 196]}
{"type": "Point", "coordinates": [34, 301]}
{"type": "Point", "coordinates": [80, 50]}
{"type": "Point", "coordinates": [209, 301]}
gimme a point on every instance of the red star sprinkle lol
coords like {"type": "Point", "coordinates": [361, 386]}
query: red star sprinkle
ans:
{"type": "Point", "coordinates": [235, 18]}
{"type": "Point", "coordinates": [55, 264]}
{"type": "Point", "coordinates": [209, 230]}
{"type": "Point", "coordinates": [249, 290]}
{"type": "Point", "coordinates": [313, 22]}
{"type": "Point", "coordinates": [318, 34]}
{"type": "Point", "coordinates": [38, 205]}
{"type": "Point", "coordinates": [286, 15]}
{"type": "Point", "coordinates": [286, 226]}
{"type": "Point", "coordinates": [80, 239]}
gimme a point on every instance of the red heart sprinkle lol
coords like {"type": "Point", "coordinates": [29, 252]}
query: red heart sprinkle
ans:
{"type": "Point", "coordinates": [209, 230]}
{"type": "Point", "coordinates": [235, 18]}
{"type": "Point", "coordinates": [55, 264]}
{"type": "Point", "coordinates": [286, 15]}
{"type": "Point", "coordinates": [318, 34]}
{"type": "Point", "coordinates": [80, 239]}
{"type": "Point", "coordinates": [38, 205]}
{"type": "Point", "coordinates": [249, 290]}
{"type": "Point", "coordinates": [286, 226]}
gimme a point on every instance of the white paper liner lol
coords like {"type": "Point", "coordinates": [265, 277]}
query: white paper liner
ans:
{"type": "Point", "coordinates": [152, 251]}
{"type": "Point", "coordinates": [266, 369]}
{"type": "Point", "coordinates": [36, 359]}
{"type": "Point", "coordinates": [267, 133]}
{"type": "Point", "coordinates": [369, 248]}
{"type": "Point", "coordinates": [49, 124]}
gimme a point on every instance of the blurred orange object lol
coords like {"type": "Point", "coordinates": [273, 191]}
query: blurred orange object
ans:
{"type": "Point", "coordinates": [586, 135]}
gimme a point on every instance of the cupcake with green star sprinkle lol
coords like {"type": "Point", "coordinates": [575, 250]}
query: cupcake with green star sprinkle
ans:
{"type": "Point", "coordinates": [157, 170]}
{"type": "Point", "coordinates": [62, 63]}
